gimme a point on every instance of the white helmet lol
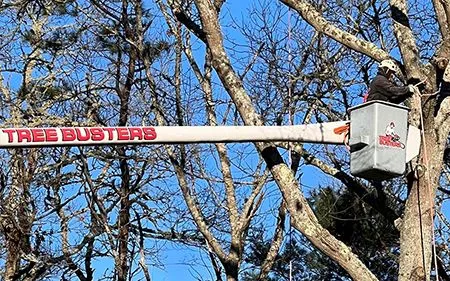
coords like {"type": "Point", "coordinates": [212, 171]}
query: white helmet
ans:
{"type": "Point", "coordinates": [391, 65]}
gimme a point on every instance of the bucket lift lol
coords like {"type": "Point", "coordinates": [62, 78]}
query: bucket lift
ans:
{"type": "Point", "coordinates": [380, 141]}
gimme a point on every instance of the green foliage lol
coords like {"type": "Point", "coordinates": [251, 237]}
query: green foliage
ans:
{"type": "Point", "coordinates": [107, 39]}
{"type": "Point", "coordinates": [41, 93]}
{"type": "Point", "coordinates": [307, 265]}
{"type": "Point", "coordinates": [65, 8]}
{"type": "Point", "coordinates": [60, 39]}
{"type": "Point", "coordinates": [154, 50]}
{"type": "Point", "coordinates": [369, 235]}
{"type": "Point", "coordinates": [110, 40]}
{"type": "Point", "coordinates": [31, 37]}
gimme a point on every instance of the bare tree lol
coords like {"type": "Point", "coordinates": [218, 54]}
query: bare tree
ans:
{"type": "Point", "coordinates": [419, 213]}
{"type": "Point", "coordinates": [92, 203]}
{"type": "Point", "coordinates": [415, 262]}
{"type": "Point", "coordinates": [236, 214]}
{"type": "Point", "coordinates": [122, 63]}
{"type": "Point", "coordinates": [65, 208]}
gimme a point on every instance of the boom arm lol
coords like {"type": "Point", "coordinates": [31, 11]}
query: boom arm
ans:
{"type": "Point", "coordinates": [76, 136]}
{"type": "Point", "coordinates": [379, 132]}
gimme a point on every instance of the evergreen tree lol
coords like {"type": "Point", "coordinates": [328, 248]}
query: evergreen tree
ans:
{"type": "Point", "coordinates": [352, 221]}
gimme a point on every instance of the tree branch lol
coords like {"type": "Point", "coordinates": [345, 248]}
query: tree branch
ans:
{"type": "Point", "coordinates": [181, 15]}
{"type": "Point", "coordinates": [303, 217]}
{"type": "Point", "coordinates": [441, 16]}
{"type": "Point", "coordinates": [269, 260]}
{"type": "Point", "coordinates": [352, 185]}
{"type": "Point", "coordinates": [406, 40]}
{"type": "Point", "coordinates": [314, 18]}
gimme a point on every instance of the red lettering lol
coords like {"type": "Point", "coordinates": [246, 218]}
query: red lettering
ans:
{"type": "Point", "coordinates": [387, 141]}
{"type": "Point", "coordinates": [38, 135]}
{"type": "Point", "coordinates": [135, 133]}
{"type": "Point", "coordinates": [122, 134]}
{"type": "Point", "coordinates": [23, 134]}
{"type": "Point", "coordinates": [10, 134]}
{"type": "Point", "coordinates": [149, 133]}
{"type": "Point", "coordinates": [110, 133]}
{"type": "Point", "coordinates": [100, 134]}
{"type": "Point", "coordinates": [80, 136]}
{"type": "Point", "coordinates": [68, 134]}
{"type": "Point", "coordinates": [97, 134]}
{"type": "Point", "coordinates": [51, 135]}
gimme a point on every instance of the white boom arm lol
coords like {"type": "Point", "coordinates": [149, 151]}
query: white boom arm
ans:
{"type": "Point", "coordinates": [76, 136]}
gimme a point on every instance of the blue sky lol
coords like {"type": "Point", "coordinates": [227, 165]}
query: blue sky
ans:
{"type": "Point", "coordinates": [176, 262]}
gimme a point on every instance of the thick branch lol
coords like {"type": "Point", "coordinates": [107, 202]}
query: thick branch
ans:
{"type": "Point", "coordinates": [205, 82]}
{"type": "Point", "coordinates": [441, 18]}
{"type": "Point", "coordinates": [417, 224]}
{"type": "Point", "coordinates": [249, 205]}
{"type": "Point", "coordinates": [303, 217]}
{"type": "Point", "coordinates": [195, 210]}
{"type": "Point", "coordinates": [65, 243]}
{"type": "Point", "coordinates": [406, 40]}
{"type": "Point", "coordinates": [446, 6]}
{"type": "Point", "coordinates": [182, 17]}
{"type": "Point", "coordinates": [314, 18]}
{"type": "Point", "coordinates": [354, 186]}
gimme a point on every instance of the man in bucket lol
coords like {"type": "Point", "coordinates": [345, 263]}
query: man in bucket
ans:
{"type": "Point", "coordinates": [383, 88]}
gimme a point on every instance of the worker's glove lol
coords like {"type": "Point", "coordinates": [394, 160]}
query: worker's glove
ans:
{"type": "Point", "coordinates": [412, 88]}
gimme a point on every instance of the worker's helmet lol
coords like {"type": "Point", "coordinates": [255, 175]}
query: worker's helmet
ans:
{"type": "Point", "coordinates": [391, 65]}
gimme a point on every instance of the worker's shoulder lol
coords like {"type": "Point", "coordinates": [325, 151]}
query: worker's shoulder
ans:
{"type": "Point", "coordinates": [379, 79]}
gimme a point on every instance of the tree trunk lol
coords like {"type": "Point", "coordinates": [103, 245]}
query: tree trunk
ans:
{"type": "Point", "coordinates": [231, 270]}
{"type": "Point", "coordinates": [416, 238]}
{"type": "Point", "coordinates": [124, 219]}
{"type": "Point", "coordinates": [122, 264]}
{"type": "Point", "coordinates": [12, 259]}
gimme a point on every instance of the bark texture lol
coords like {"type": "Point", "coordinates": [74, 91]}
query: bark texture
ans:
{"type": "Point", "coordinates": [303, 217]}
{"type": "Point", "coordinates": [415, 258]}
{"type": "Point", "coordinates": [310, 14]}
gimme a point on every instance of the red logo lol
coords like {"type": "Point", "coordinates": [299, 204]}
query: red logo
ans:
{"type": "Point", "coordinates": [390, 138]}
{"type": "Point", "coordinates": [81, 134]}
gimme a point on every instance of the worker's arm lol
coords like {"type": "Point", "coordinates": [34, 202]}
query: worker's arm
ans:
{"type": "Point", "coordinates": [390, 89]}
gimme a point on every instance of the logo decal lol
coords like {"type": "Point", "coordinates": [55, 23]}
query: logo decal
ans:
{"type": "Point", "coordinates": [390, 138]}
{"type": "Point", "coordinates": [79, 134]}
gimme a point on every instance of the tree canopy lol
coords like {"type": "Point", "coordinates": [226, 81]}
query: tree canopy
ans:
{"type": "Point", "coordinates": [251, 209]}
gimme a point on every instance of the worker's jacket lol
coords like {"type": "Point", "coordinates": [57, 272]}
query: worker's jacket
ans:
{"type": "Point", "coordinates": [445, 84]}
{"type": "Point", "coordinates": [443, 80]}
{"type": "Point", "coordinates": [444, 90]}
{"type": "Point", "coordinates": [383, 89]}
